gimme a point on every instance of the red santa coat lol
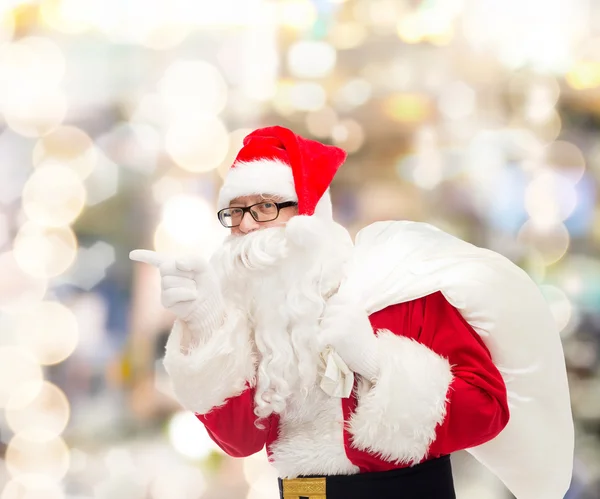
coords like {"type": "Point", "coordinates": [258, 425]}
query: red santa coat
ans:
{"type": "Point", "coordinates": [438, 392]}
{"type": "Point", "coordinates": [437, 389]}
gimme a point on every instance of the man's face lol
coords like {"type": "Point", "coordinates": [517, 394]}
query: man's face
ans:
{"type": "Point", "coordinates": [248, 224]}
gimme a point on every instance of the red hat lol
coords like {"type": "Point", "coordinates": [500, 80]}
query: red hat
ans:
{"type": "Point", "coordinates": [275, 161]}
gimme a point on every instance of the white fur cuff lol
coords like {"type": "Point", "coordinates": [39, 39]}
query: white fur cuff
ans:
{"type": "Point", "coordinates": [397, 417]}
{"type": "Point", "coordinates": [217, 369]}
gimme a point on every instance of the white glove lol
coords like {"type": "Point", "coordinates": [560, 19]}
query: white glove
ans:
{"type": "Point", "coordinates": [345, 327]}
{"type": "Point", "coordinates": [190, 289]}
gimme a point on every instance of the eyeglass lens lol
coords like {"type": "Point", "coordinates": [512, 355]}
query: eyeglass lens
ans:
{"type": "Point", "coordinates": [262, 212]}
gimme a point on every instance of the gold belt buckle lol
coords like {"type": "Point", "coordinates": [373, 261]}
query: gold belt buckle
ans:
{"type": "Point", "coordinates": [304, 488]}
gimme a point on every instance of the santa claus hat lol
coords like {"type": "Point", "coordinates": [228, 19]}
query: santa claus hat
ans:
{"type": "Point", "coordinates": [275, 161]}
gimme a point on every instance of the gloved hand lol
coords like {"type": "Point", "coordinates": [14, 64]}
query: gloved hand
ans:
{"type": "Point", "coordinates": [190, 289]}
{"type": "Point", "coordinates": [345, 327]}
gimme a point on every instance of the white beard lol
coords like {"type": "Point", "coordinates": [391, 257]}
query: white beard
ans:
{"type": "Point", "coordinates": [281, 278]}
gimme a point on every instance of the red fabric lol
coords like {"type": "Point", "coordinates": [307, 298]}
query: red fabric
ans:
{"type": "Point", "coordinates": [477, 408]}
{"type": "Point", "coordinates": [232, 427]}
{"type": "Point", "coordinates": [313, 164]}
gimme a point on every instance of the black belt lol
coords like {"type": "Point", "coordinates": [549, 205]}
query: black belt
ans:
{"type": "Point", "coordinates": [429, 480]}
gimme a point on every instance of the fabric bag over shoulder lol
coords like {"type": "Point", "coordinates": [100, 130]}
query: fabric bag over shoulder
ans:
{"type": "Point", "coordinates": [395, 262]}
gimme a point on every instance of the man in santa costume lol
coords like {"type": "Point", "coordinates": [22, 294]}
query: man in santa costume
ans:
{"type": "Point", "coordinates": [361, 366]}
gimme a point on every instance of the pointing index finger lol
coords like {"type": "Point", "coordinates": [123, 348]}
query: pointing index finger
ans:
{"type": "Point", "coordinates": [147, 256]}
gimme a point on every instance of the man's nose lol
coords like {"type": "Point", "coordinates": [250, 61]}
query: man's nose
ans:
{"type": "Point", "coordinates": [248, 223]}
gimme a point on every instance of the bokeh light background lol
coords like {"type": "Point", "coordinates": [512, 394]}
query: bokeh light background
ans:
{"type": "Point", "coordinates": [118, 119]}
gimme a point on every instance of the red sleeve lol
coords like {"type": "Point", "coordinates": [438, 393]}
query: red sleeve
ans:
{"type": "Point", "coordinates": [476, 408]}
{"type": "Point", "coordinates": [232, 428]}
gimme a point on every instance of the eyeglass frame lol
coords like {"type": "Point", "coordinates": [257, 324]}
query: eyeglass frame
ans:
{"type": "Point", "coordinates": [248, 209]}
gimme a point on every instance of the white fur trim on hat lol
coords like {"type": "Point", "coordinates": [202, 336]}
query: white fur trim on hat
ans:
{"type": "Point", "coordinates": [263, 176]}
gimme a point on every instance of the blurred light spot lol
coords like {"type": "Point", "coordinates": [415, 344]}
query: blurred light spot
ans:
{"type": "Point", "coordinates": [559, 303]}
{"type": "Point", "coordinates": [147, 108]}
{"type": "Point", "coordinates": [32, 69]}
{"type": "Point", "coordinates": [550, 198]}
{"type": "Point", "coordinates": [550, 242]}
{"type": "Point", "coordinates": [163, 35]}
{"type": "Point", "coordinates": [383, 200]}
{"type": "Point", "coordinates": [282, 101]}
{"type": "Point", "coordinates": [307, 96]}
{"type": "Point", "coordinates": [567, 159]}
{"type": "Point", "coordinates": [119, 460]}
{"type": "Point", "coordinates": [408, 108]}
{"type": "Point", "coordinates": [320, 123]}
{"type": "Point", "coordinates": [534, 95]}
{"type": "Point", "coordinates": [91, 266]}
{"type": "Point", "coordinates": [133, 145]}
{"type": "Point", "coordinates": [580, 276]}
{"type": "Point", "coordinates": [432, 23]}
{"type": "Point", "coordinates": [34, 116]}
{"type": "Point", "coordinates": [349, 135]}
{"type": "Point", "coordinates": [31, 65]}
{"type": "Point", "coordinates": [44, 252]}
{"type": "Point", "coordinates": [261, 477]}
{"type": "Point", "coordinates": [354, 93]}
{"type": "Point", "coordinates": [540, 103]}
{"type": "Point", "coordinates": [53, 196]}
{"type": "Point", "coordinates": [67, 16]}
{"type": "Point", "coordinates": [28, 486]}
{"type": "Point", "coordinates": [311, 59]}
{"type": "Point", "coordinates": [46, 408]}
{"type": "Point", "coordinates": [4, 230]}
{"type": "Point", "coordinates": [347, 35]}
{"type": "Point", "coordinates": [189, 437]}
{"type": "Point", "coordinates": [167, 187]}
{"type": "Point", "coordinates": [410, 30]}
{"type": "Point", "coordinates": [15, 152]}
{"type": "Point", "coordinates": [123, 485]}
{"type": "Point", "coordinates": [199, 144]}
{"type": "Point", "coordinates": [103, 182]}
{"type": "Point", "coordinates": [298, 14]}
{"type": "Point", "coordinates": [18, 369]}
{"type": "Point", "coordinates": [263, 487]}
{"type": "Point", "coordinates": [379, 14]}
{"type": "Point", "coordinates": [236, 142]}
{"type": "Point", "coordinates": [180, 481]}
{"type": "Point", "coordinates": [18, 290]}
{"type": "Point", "coordinates": [192, 87]}
{"type": "Point", "coordinates": [258, 87]}
{"type": "Point", "coordinates": [68, 146]}
{"type": "Point", "coordinates": [49, 331]}
{"type": "Point", "coordinates": [584, 75]}
{"type": "Point", "coordinates": [534, 265]}
{"type": "Point", "coordinates": [189, 224]}
{"type": "Point", "coordinates": [79, 461]}
{"type": "Point", "coordinates": [457, 100]}
{"type": "Point", "coordinates": [37, 452]}
{"type": "Point", "coordinates": [546, 131]}
{"type": "Point", "coordinates": [425, 167]}
{"type": "Point", "coordinates": [7, 25]}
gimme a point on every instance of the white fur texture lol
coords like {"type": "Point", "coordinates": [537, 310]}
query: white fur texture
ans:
{"type": "Point", "coordinates": [263, 176]}
{"type": "Point", "coordinates": [281, 277]}
{"type": "Point", "coordinates": [324, 208]}
{"type": "Point", "coordinates": [215, 370]}
{"type": "Point", "coordinates": [311, 438]}
{"type": "Point", "coordinates": [398, 416]}
{"type": "Point", "coordinates": [266, 176]}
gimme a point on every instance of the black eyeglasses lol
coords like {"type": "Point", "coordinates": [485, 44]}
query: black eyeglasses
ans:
{"type": "Point", "coordinates": [261, 212]}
